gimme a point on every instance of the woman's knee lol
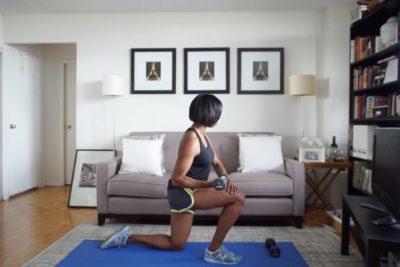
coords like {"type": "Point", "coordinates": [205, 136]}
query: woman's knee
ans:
{"type": "Point", "coordinates": [240, 198]}
{"type": "Point", "coordinates": [178, 245]}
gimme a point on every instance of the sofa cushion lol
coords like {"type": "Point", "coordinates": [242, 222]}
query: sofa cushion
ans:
{"type": "Point", "coordinates": [138, 185]}
{"type": "Point", "coordinates": [263, 183]}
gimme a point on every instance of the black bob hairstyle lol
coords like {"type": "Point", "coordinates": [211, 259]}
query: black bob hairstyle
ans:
{"type": "Point", "coordinates": [205, 109]}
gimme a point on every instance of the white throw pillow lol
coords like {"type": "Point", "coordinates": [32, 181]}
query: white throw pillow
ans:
{"type": "Point", "coordinates": [260, 153]}
{"type": "Point", "coordinates": [150, 137]}
{"type": "Point", "coordinates": [142, 156]}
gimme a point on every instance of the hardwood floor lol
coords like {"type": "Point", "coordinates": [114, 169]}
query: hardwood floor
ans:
{"type": "Point", "coordinates": [33, 220]}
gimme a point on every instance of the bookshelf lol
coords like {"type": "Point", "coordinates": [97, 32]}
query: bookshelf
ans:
{"type": "Point", "coordinates": [371, 102]}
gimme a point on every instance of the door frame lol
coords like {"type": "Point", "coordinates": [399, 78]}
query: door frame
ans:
{"type": "Point", "coordinates": [63, 65]}
{"type": "Point", "coordinates": [3, 184]}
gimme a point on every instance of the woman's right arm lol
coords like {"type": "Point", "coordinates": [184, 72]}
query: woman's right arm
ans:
{"type": "Point", "coordinates": [188, 149]}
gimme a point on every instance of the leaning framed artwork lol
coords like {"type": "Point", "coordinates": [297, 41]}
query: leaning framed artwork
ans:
{"type": "Point", "coordinates": [260, 70]}
{"type": "Point", "coordinates": [312, 154]}
{"type": "Point", "coordinates": [206, 70]}
{"type": "Point", "coordinates": [153, 70]}
{"type": "Point", "coordinates": [83, 186]}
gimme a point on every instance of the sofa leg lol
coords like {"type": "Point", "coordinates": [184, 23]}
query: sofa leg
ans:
{"type": "Point", "coordinates": [298, 221]}
{"type": "Point", "coordinates": [101, 219]}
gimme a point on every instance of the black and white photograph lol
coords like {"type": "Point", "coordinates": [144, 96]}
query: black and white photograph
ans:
{"type": "Point", "coordinates": [153, 70]}
{"type": "Point", "coordinates": [83, 186]}
{"type": "Point", "coordinates": [88, 175]}
{"type": "Point", "coordinates": [206, 70]}
{"type": "Point", "coordinates": [260, 70]}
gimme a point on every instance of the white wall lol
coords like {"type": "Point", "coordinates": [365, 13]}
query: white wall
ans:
{"type": "Point", "coordinates": [54, 57]}
{"type": "Point", "coordinates": [1, 33]}
{"type": "Point", "coordinates": [103, 43]}
{"type": "Point", "coordinates": [314, 42]}
{"type": "Point", "coordinates": [333, 90]}
{"type": "Point", "coordinates": [1, 108]}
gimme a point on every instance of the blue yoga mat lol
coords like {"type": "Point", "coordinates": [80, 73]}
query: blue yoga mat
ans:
{"type": "Point", "coordinates": [88, 253]}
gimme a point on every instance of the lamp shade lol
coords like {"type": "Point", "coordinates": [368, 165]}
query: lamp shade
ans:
{"type": "Point", "coordinates": [113, 85]}
{"type": "Point", "coordinates": [302, 85]}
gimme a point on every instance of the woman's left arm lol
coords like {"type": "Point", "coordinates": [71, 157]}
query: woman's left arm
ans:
{"type": "Point", "coordinates": [221, 171]}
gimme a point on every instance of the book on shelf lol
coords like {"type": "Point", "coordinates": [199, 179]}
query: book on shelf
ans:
{"type": "Point", "coordinates": [385, 71]}
{"type": "Point", "coordinates": [392, 70]}
{"type": "Point", "coordinates": [362, 176]}
{"type": "Point", "coordinates": [397, 105]}
{"type": "Point", "coordinates": [362, 141]}
{"type": "Point", "coordinates": [394, 105]}
{"type": "Point", "coordinates": [364, 46]}
{"type": "Point", "coordinates": [367, 107]}
{"type": "Point", "coordinates": [359, 107]}
{"type": "Point", "coordinates": [373, 102]}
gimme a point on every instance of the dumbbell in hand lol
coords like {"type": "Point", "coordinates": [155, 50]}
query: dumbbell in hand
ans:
{"type": "Point", "coordinates": [220, 183]}
{"type": "Point", "coordinates": [274, 251]}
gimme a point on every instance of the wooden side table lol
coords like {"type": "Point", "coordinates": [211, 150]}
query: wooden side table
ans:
{"type": "Point", "coordinates": [320, 185]}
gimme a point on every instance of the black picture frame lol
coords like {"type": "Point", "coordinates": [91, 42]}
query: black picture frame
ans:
{"type": "Point", "coordinates": [73, 175]}
{"type": "Point", "coordinates": [132, 80]}
{"type": "Point", "coordinates": [280, 50]}
{"type": "Point", "coordinates": [226, 90]}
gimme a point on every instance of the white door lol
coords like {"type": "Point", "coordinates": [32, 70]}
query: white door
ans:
{"type": "Point", "coordinates": [69, 119]}
{"type": "Point", "coordinates": [1, 130]}
{"type": "Point", "coordinates": [21, 124]}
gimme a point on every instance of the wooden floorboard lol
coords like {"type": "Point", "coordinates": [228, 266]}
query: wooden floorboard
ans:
{"type": "Point", "coordinates": [33, 220]}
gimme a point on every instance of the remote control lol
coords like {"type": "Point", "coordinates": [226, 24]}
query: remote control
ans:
{"type": "Point", "coordinates": [373, 207]}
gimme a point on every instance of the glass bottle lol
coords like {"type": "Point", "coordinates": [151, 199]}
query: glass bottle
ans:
{"type": "Point", "coordinates": [333, 149]}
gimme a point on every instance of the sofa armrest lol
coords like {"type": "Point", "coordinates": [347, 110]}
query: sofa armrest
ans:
{"type": "Point", "coordinates": [104, 171]}
{"type": "Point", "coordinates": [295, 170]}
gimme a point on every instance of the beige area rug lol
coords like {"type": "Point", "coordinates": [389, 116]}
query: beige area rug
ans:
{"type": "Point", "coordinates": [319, 246]}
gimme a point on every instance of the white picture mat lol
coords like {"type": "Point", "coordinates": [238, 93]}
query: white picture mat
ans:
{"type": "Point", "coordinates": [86, 196]}
{"type": "Point", "coordinates": [274, 70]}
{"type": "Point", "coordinates": [140, 82]}
{"type": "Point", "coordinates": [193, 70]}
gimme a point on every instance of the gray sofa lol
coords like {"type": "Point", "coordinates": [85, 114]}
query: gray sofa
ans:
{"type": "Point", "coordinates": [267, 194]}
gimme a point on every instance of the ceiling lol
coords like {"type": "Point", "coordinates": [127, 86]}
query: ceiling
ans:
{"type": "Point", "coordinates": [99, 6]}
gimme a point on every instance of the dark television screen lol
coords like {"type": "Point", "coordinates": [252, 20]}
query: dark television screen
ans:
{"type": "Point", "coordinates": [386, 168]}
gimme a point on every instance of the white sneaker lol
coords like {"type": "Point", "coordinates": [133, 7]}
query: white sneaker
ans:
{"type": "Point", "coordinates": [222, 256]}
{"type": "Point", "coordinates": [117, 239]}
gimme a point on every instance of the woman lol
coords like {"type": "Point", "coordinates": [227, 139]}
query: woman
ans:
{"type": "Point", "coordinates": [188, 189]}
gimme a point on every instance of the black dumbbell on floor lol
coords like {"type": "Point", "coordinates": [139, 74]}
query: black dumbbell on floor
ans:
{"type": "Point", "coordinates": [274, 251]}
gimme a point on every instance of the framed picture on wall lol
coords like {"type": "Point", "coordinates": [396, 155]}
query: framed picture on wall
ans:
{"type": "Point", "coordinates": [206, 70]}
{"type": "Point", "coordinates": [260, 70]}
{"type": "Point", "coordinates": [153, 70]}
{"type": "Point", "coordinates": [83, 186]}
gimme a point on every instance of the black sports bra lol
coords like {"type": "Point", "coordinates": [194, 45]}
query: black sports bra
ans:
{"type": "Point", "coordinates": [202, 163]}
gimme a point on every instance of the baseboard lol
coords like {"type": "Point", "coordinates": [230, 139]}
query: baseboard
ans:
{"type": "Point", "coordinates": [54, 183]}
{"type": "Point", "coordinates": [336, 219]}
